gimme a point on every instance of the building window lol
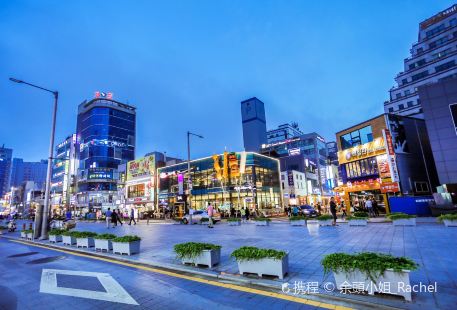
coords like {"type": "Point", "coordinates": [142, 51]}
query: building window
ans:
{"type": "Point", "coordinates": [445, 66]}
{"type": "Point", "coordinates": [434, 30]}
{"type": "Point", "coordinates": [404, 81]}
{"type": "Point", "coordinates": [357, 137]}
{"type": "Point", "coordinates": [398, 95]}
{"type": "Point", "coordinates": [410, 104]}
{"type": "Point", "coordinates": [391, 110]}
{"type": "Point", "coordinates": [407, 92]}
{"type": "Point", "coordinates": [453, 108]}
{"type": "Point", "coordinates": [421, 187]}
{"type": "Point", "coordinates": [419, 75]}
{"type": "Point", "coordinates": [453, 22]}
{"type": "Point", "coordinates": [401, 106]}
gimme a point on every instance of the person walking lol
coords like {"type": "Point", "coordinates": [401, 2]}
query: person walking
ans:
{"type": "Point", "coordinates": [108, 214]}
{"type": "Point", "coordinates": [243, 214]}
{"type": "Point", "coordinates": [369, 207]}
{"type": "Point", "coordinates": [210, 216]}
{"type": "Point", "coordinates": [343, 210]}
{"type": "Point", "coordinates": [319, 208]}
{"type": "Point", "coordinates": [295, 211]}
{"type": "Point", "coordinates": [114, 218]}
{"type": "Point", "coordinates": [248, 213]}
{"type": "Point", "coordinates": [375, 207]}
{"type": "Point", "coordinates": [132, 216]}
{"type": "Point", "coordinates": [333, 210]}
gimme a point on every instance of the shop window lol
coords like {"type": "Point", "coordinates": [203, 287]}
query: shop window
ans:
{"type": "Point", "coordinates": [421, 187]}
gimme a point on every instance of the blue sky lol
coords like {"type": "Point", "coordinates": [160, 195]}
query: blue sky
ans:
{"type": "Point", "coordinates": [186, 65]}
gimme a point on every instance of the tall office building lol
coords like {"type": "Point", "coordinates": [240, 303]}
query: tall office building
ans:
{"type": "Point", "coordinates": [5, 169]}
{"type": "Point", "coordinates": [105, 138]}
{"type": "Point", "coordinates": [433, 58]}
{"type": "Point", "coordinates": [254, 124]}
{"type": "Point", "coordinates": [23, 171]}
{"type": "Point", "coordinates": [283, 132]}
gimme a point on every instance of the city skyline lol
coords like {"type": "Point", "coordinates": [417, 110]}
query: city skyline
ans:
{"type": "Point", "coordinates": [179, 71]}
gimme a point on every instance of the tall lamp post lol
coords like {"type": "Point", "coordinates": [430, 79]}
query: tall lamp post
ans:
{"type": "Point", "coordinates": [44, 225]}
{"type": "Point", "coordinates": [189, 180]}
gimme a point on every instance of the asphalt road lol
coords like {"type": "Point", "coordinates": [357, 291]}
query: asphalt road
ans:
{"type": "Point", "coordinates": [37, 278]}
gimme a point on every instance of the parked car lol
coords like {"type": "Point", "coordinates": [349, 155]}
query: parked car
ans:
{"type": "Point", "coordinates": [198, 215]}
{"type": "Point", "coordinates": [308, 211]}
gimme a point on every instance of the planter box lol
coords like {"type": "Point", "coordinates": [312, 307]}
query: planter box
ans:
{"type": "Point", "coordinates": [85, 242]}
{"type": "Point", "coordinates": [405, 222]}
{"type": "Point", "coordinates": [3, 231]}
{"type": "Point", "coordinates": [23, 235]}
{"type": "Point", "coordinates": [128, 248]}
{"type": "Point", "coordinates": [29, 236]}
{"type": "Point", "coordinates": [262, 223]}
{"type": "Point", "coordinates": [449, 223]}
{"type": "Point", "coordinates": [55, 238]}
{"type": "Point", "coordinates": [265, 266]}
{"type": "Point", "coordinates": [358, 222]}
{"type": "Point", "coordinates": [298, 223]}
{"type": "Point", "coordinates": [237, 223]}
{"type": "Point", "coordinates": [68, 240]}
{"type": "Point", "coordinates": [397, 280]}
{"type": "Point", "coordinates": [207, 257]}
{"type": "Point", "coordinates": [325, 223]}
{"type": "Point", "coordinates": [103, 244]}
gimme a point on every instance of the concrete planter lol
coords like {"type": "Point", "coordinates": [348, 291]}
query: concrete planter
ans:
{"type": "Point", "coordinates": [103, 244]}
{"type": "Point", "coordinates": [262, 223]}
{"type": "Point", "coordinates": [55, 238]}
{"type": "Point", "coordinates": [405, 222]}
{"type": "Point", "coordinates": [265, 266]}
{"type": "Point", "coordinates": [128, 248]}
{"type": "Point", "coordinates": [29, 236]}
{"type": "Point", "coordinates": [449, 223]}
{"type": "Point", "coordinates": [23, 235]}
{"type": "Point", "coordinates": [325, 223]}
{"type": "Point", "coordinates": [207, 257]}
{"type": "Point", "coordinates": [85, 242]}
{"type": "Point", "coordinates": [357, 222]}
{"type": "Point", "coordinates": [68, 240]}
{"type": "Point", "coordinates": [237, 223]}
{"type": "Point", "coordinates": [397, 280]}
{"type": "Point", "coordinates": [298, 223]}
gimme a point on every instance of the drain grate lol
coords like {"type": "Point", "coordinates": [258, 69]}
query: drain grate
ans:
{"type": "Point", "coordinates": [45, 260]}
{"type": "Point", "coordinates": [22, 254]}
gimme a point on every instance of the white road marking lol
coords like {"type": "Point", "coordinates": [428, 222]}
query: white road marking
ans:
{"type": "Point", "coordinates": [114, 291]}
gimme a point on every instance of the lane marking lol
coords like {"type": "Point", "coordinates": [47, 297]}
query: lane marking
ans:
{"type": "Point", "coordinates": [114, 291]}
{"type": "Point", "coordinates": [200, 280]}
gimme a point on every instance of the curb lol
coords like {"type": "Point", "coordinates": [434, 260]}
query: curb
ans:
{"type": "Point", "coordinates": [217, 276]}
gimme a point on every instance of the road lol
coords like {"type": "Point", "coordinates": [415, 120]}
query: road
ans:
{"type": "Point", "coordinates": [69, 281]}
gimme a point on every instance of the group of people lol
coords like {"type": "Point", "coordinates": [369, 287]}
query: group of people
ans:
{"type": "Point", "coordinates": [371, 205]}
{"type": "Point", "coordinates": [114, 217]}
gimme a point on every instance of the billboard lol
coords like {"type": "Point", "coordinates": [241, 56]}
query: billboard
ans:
{"type": "Point", "coordinates": [144, 166]}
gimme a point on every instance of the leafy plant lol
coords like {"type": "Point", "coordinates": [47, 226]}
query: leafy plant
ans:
{"type": "Point", "coordinates": [353, 218]}
{"type": "Point", "coordinates": [297, 218]}
{"type": "Point", "coordinates": [193, 249]}
{"type": "Point", "coordinates": [262, 219]}
{"type": "Point", "coordinates": [105, 236]}
{"type": "Point", "coordinates": [247, 253]}
{"type": "Point", "coordinates": [360, 214]}
{"type": "Point", "coordinates": [56, 232]}
{"type": "Point", "coordinates": [233, 219]}
{"type": "Point", "coordinates": [3, 227]}
{"type": "Point", "coordinates": [28, 231]}
{"type": "Point", "coordinates": [84, 234]}
{"type": "Point", "coordinates": [399, 216]}
{"type": "Point", "coordinates": [126, 239]}
{"type": "Point", "coordinates": [371, 264]}
{"type": "Point", "coordinates": [449, 217]}
{"type": "Point", "coordinates": [204, 219]}
{"type": "Point", "coordinates": [69, 233]}
{"type": "Point", "coordinates": [324, 217]}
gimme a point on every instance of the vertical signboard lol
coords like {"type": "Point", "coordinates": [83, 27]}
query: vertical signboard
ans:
{"type": "Point", "coordinates": [391, 156]}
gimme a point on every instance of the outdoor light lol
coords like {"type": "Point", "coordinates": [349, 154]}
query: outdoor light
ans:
{"type": "Point", "coordinates": [16, 80]}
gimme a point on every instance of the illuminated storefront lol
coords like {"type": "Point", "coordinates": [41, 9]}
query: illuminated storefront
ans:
{"type": "Point", "coordinates": [140, 184]}
{"type": "Point", "coordinates": [237, 180]}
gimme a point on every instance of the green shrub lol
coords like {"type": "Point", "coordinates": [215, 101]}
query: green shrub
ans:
{"type": "Point", "coordinates": [360, 214]}
{"type": "Point", "coordinates": [28, 231]}
{"type": "Point", "coordinates": [449, 217]}
{"type": "Point", "coordinates": [3, 227]}
{"type": "Point", "coordinates": [69, 233]}
{"type": "Point", "coordinates": [324, 217]}
{"type": "Point", "coordinates": [126, 239]}
{"type": "Point", "coordinates": [193, 249]}
{"type": "Point", "coordinates": [84, 234]}
{"type": "Point", "coordinates": [262, 219]}
{"type": "Point", "coordinates": [233, 219]}
{"type": "Point", "coordinates": [371, 264]}
{"type": "Point", "coordinates": [204, 219]}
{"type": "Point", "coordinates": [297, 218]}
{"type": "Point", "coordinates": [247, 253]}
{"type": "Point", "coordinates": [56, 232]}
{"type": "Point", "coordinates": [352, 218]}
{"type": "Point", "coordinates": [105, 236]}
{"type": "Point", "coordinates": [399, 216]}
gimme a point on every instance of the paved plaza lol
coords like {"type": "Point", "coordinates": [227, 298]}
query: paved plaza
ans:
{"type": "Point", "coordinates": [431, 245]}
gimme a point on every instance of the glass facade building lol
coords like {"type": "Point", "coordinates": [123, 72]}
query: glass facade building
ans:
{"type": "Point", "coordinates": [237, 180]}
{"type": "Point", "coordinates": [105, 139]}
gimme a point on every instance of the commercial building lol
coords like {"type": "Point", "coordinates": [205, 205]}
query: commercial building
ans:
{"type": "Point", "coordinates": [254, 124]}
{"type": "Point", "coordinates": [105, 138]}
{"type": "Point", "coordinates": [238, 180]}
{"type": "Point", "coordinates": [385, 155]}
{"type": "Point", "coordinates": [439, 101]}
{"type": "Point", "coordinates": [5, 169]}
{"type": "Point", "coordinates": [283, 132]}
{"type": "Point", "coordinates": [294, 187]}
{"type": "Point", "coordinates": [433, 58]}
{"type": "Point", "coordinates": [63, 178]}
{"type": "Point", "coordinates": [24, 171]}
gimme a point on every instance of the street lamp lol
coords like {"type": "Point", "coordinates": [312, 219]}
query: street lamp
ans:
{"type": "Point", "coordinates": [189, 180]}
{"type": "Point", "coordinates": [44, 225]}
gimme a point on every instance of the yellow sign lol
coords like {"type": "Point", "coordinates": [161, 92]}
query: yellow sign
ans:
{"type": "Point", "coordinates": [370, 149]}
{"type": "Point", "coordinates": [217, 167]}
{"type": "Point", "coordinates": [225, 168]}
{"type": "Point", "coordinates": [141, 167]}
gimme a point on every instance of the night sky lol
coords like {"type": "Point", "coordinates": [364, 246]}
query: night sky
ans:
{"type": "Point", "coordinates": [186, 65]}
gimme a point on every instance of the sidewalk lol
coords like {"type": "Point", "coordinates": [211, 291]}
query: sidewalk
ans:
{"type": "Point", "coordinates": [432, 246]}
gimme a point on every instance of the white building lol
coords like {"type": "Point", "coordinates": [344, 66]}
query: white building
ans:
{"type": "Point", "coordinates": [294, 187]}
{"type": "Point", "coordinates": [433, 58]}
{"type": "Point", "coordinates": [283, 132]}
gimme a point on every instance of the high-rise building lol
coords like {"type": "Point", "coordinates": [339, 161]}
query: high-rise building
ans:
{"type": "Point", "coordinates": [5, 169]}
{"type": "Point", "coordinates": [105, 137]}
{"type": "Point", "coordinates": [24, 171]}
{"type": "Point", "coordinates": [283, 132]}
{"type": "Point", "coordinates": [433, 58]}
{"type": "Point", "coordinates": [254, 124]}
{"type": "Point", "coordinates": [63, 179]}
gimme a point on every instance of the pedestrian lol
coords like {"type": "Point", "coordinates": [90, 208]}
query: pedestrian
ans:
{"type": "Point", "coordinates": [333, 210]}
{"type": "Point", "coordinates": [319, 208]}
{"type": "Point", "coordinates": [243, 214]}
{"type": "Point", "coordinates": [232, 211]}
{"type": "Point", "coordinates": [108, 214]}
{"type": "Point", "coordinates": [343, 210]}
{"type": "Point", "coordinates": [295, 211]}
{"type": "Point", "coordinates": [119, 217]}
{"type": "Point", "coordinates": [210, 211]}
{"type": "Point", "coordinates": [369, 207]}
{"type": "Point", "coordinates": [132, 216]}
{"type": "Point", "coordinates": [68, 215]}
{"type": "Point", "coordinates": [375, 207]}
{"type": "Point", "coordinates": [247, 214]}
{"type": "Point", "coordinates": [114, 218]}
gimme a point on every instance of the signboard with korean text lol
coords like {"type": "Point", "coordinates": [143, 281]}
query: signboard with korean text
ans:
{"type": "Point", "coordinates": [141, 167]}
{"type": "Point", "coordinates": [390, 187]}
{"type": "Point", "coordinates": [370, 149]}
{"type": "Point", "coordinates": [391, 157]}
